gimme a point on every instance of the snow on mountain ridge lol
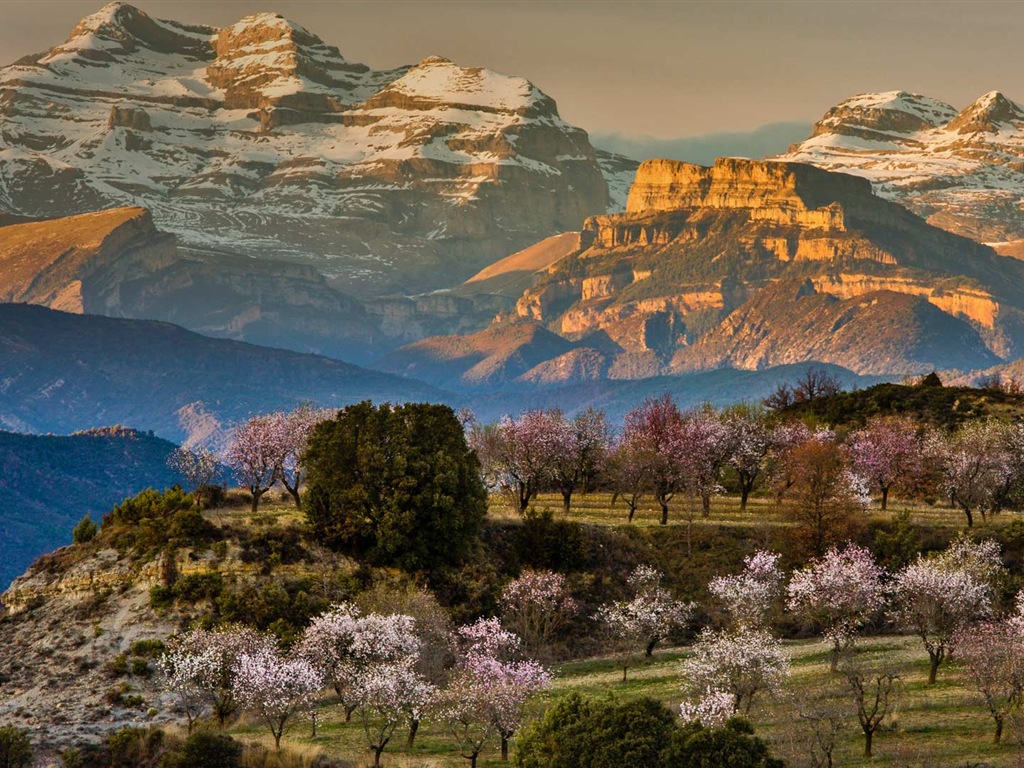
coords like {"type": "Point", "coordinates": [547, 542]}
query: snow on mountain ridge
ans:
{"type": "Point", "coordinates": [262, 139]}
{"type": "Point", "coordinates": [962, 170]}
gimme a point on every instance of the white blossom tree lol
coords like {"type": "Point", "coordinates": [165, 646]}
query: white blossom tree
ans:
{"type": "Point", "coordinates": [642, 622]}
{"type": "Point", "coordinates": [536, 606]}
{"type": "Point", "coordinates": [748, 597]}
{"type": "Point", "coordinates": [840, 592]}
{"type": "Point", "coordinates": [935, 601]}
{"type": "Point", "coordinates": [204, 663]}
{"type": "Point", "coordinates": [388, 694]}
{"type": "Point", "coordinates": [992, 653]}
{"type": "Point", "coordinates": [975, 465]}
{"type": "Point", "coordinates": [277, 688]}
{"type": "Point", "coordinates": [739, 665]}
{"type": "Point", "coordinates": [292, 431]}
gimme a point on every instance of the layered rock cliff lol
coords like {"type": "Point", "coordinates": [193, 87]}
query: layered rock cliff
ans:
{"type": "Point", "coordinates": [681, 280]}
{"type": "Point", "coordinates": [262, 140]}
{"type": "Point", "coordinates": [962, 170]}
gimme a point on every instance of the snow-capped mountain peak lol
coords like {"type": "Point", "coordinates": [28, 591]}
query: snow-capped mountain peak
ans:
{"type": "Point", "coordinates": [963, 170]}
{"type": "Point", "coordinates": [261, 138]}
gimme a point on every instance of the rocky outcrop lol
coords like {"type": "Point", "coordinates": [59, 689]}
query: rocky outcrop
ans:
{"type": "Point", "coordinates": [697, 244]}
{"type": "Point", "coordinates": [959, 169]}
{"type": "Point", "coordinates": [260, 139]}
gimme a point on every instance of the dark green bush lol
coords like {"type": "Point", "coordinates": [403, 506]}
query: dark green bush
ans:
{"type": "Point", "coordinates": [15, 747]}
{"type": "Point", "coordinates": [85, 531]}
{"type": "Point", "coordinates": [582, 733]}
{"type": "Point", "coordinates": [205, 750]}
{"type": "Point", "coordinates": [544, 542]}
{"type": "Point", "coordinates": [274, 546]}
{"type": "Point", "coordinates": [147, 649]}
{"type": "Point", "coordinates": [198, 586]}
{"type": "Point", "coordinates": [161, 597]}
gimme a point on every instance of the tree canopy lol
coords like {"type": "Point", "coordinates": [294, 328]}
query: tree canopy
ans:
{"type": "Point", "coordinates": [395, 484]}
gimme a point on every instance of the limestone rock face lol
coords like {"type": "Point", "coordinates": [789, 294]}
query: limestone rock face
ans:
{"type": "Point", "coordinates": [961, 170]}
{"type": "Point", "coordinates": [261, 140]}
{"type": "Point", "coordinates": [693, 276]}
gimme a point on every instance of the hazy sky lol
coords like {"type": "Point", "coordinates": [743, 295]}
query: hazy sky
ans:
{"type": "Point", "coordinates": [666, 69]}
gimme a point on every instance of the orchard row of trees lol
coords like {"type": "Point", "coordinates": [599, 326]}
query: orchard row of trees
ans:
{"type": "Point", "coordinates": [392, 667]}
{"type": "Point", "coordinates": [665, 452]}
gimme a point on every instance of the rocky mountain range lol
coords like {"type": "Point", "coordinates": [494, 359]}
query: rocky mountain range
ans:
{"type": "Point", "coordinates": [746, 264]}
{"type": "Point", "coordinates": [261, 140]}
{"type": "Point", "coordinates": [62, 372]}
{"type": "Point", "coordinates": [961, 169]}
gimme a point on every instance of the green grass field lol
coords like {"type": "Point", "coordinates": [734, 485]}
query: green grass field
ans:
{"type": "Point", "coordinates": [941, 725]}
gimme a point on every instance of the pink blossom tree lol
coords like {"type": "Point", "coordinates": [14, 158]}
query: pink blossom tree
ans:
{"type": "Point", "coordinates": [641, 623]}
{"type": "Point", "coordinates": [652, 429]}
{"type": "Point", "coordinates": [840, 592]}
{"type": "Point", "coordinates": [748, 597]}
{"type": "Point", "coordinates": [277, 688]}
{"type": "Point", "coordinates": [749, 440]}
{"type": "Point", "coordinates": [628, 469]}
{"type": "Point", "coordinates": [886, 452]}
{"type": "Point", "coordinates": [536, 606]}
{"type": "Point", "coordinates": [701, 448]}
{"type": "Point", "coordinates": [974, 463]}
{"type": "Point", "coordinates": [739, 665]}
{"type": "Point", "coordinates": [199, 466]}
{"type": "Point", "coordinates": [489, 689]}
{"type": "Point", "coordinates": [292, 431]}
{"type": "Point", "coordinates": [253, 455]}
{"type": "Point", "coordinates": [582, 444]}
{"type": "Point", "coordinates": [992, 653]}
{"type": "Point", "coordinates": [935, 601]}
{"type": "Point", "coordinates": [518, 455]}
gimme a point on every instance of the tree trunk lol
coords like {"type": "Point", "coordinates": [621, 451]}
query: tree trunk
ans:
{"type": "Point", "coordinates": [472, 761]}
{"type": "Point", "coordinates": [504, 748]}
{"type": "Point", "coordinates": [834, 666]}
{"type": "Point", "coordinates": [868, 736]}
{"type": "Point", "coordinates": [277, 741]}
{"type": "Point", "coordinates": [998, 738]}
{"type": "Point", "coordinates": [348, 713]}
{"type": "Point", "coordinates": [377, 752]}
{"type": "Point", "coordinates": [970, 516]}
{"type": "Point", "coordinates": [933, 669]}
{"type": "Point", "coordinates": [255, 500]}
{"type": "Point", "coordinates": [294, 493]}
{"type": "Point", "coordinates": [705, 500]}
{"type": "Point", "coordinates": [414, 726]}
{"type": "Point", "coordinates": [625, 667]}
{"type": "Point", "coordinates": [312, 717]}
{"type": "Point", "coordinates": [664, 511]}
{"type": "Point", "coordinates": [632, 511]}
{"type": "Point", "coordinates": [744, 494]}
{"type": "Point", "coordinates": [885, 497]}
{"type": "Point", "coordinates": [566, 500]}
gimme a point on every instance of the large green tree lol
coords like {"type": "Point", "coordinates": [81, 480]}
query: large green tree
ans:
{"type": "Point", "coordinates": [395, 484]}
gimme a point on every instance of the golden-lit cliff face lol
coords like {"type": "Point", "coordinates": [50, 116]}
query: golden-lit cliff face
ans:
{"type": "Point", "coordinates": [696, 245]}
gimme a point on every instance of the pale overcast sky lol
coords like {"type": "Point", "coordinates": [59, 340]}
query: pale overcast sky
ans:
{"type": "Point", "coordinates": [665, 69]}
